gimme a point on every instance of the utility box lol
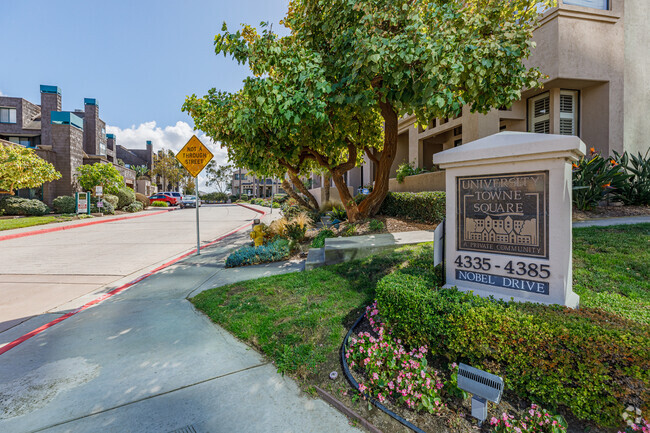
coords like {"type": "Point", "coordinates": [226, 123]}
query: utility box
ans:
{"type": "Point", "coordinates": [508, 216]}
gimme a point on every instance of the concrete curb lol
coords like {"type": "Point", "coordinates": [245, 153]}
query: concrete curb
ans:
{"type": "Point", "coordinates": [117, 290]}
{"type": "Point", "coordinates": [74, 226]}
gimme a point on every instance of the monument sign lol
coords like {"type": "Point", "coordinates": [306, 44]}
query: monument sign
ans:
{"type": "Point", "coordinates": [508, 230]}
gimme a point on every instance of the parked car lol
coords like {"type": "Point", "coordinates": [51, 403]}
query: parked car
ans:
{"type": "Point", "coordinates": [189, 201]}
{"type": "Point", "coordinates": [163, 197]}
{"type": "Point", "coordinates": [177, 195]}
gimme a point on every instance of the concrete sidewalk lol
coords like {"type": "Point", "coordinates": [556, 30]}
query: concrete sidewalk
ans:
{"type": "Point", "coordinates": [147, 361]}
{"type": "Point", "coordinates": [602, 222]}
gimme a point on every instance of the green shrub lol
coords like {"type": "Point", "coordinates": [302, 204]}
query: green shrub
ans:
{"type": "Point", "coordinates": [276, 205]}
{"type": "Point", "coordinates": [126, 196]}
{"type": "Point", "coordinates": [375, 225]}
{"type": "Point", "coordinates": [142, 199]}
{"type": "Point", "coordinates": [338, 213]}
{"type": "Point", "coordinates": [407, 169]}
{"type": "Point", "coordinates": [594, 179]}
{"type": "Point", "coordinates": [23, 206]}
{"type": "Point", "coordinates": [290, 211]}
{"type": "Point", "coordinates": [592, 362]}
{"type": "Point", "coordinates": [107, 207]}
{"type": "Point", "coordinates": [425, 207]}
{"type": "Point", "coordinates": [136, 206]}
{"type": "Point", "coordinates": [112, 199]}
{"type": "Point", "coordinates": [636, 191]}
{"type": "Point", "coordinates": [159, 203]}
{"type": "Point", "coordinates": [296, 231]}
{"type": "Point", "coordinates": [350, 230]}
{"type": "Point", "coordinates": [64, 204]}
{"type": "Point", "coordinates": [271, 252]}
{"type": "Point", "coordinates": [319, 240]}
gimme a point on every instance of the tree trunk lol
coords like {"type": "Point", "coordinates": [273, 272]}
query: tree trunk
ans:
{"type": "Point", "coordinates": [346, 198]}
{"type": "Point", "coordinates": [289, 189]}
{"type": "Point", "coordinates": [295, 180]}
{"type": "Point", "coordinates": [371, 204]}
{"type": "Point", "coordinates": [326, 186]}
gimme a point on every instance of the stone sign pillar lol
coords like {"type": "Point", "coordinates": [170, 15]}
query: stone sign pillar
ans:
{"type": "Point", "coordinates": [508, 225]}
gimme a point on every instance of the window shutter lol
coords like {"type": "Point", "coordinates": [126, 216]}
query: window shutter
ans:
{"type": "Point", "coordinates": [539, 113]}
{"type": "Point", "coordinates": [568, 112]}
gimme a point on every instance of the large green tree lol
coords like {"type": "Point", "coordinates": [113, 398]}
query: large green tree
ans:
{"type": "Point", "coordinates": [20, 167]}
{"type": "Point", "coordinates": [98, 174]}
{"type": "Point", "coordinates": [319, 97]}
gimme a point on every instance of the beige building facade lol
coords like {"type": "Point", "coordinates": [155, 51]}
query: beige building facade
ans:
{"type": "Point", "coordinates": [596, 54]}
{"type": "Point", "coordinates": [243, 182]}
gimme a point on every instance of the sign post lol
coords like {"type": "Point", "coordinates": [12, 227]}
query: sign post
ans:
{"type": "Point", "coordinates": [194, 156]}
{"type": "Point", "coordinates": [508, 216]}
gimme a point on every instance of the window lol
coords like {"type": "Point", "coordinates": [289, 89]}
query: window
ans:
{"type": "Point", "coordinates": [596, 4]}
{"type": "Point", "coordinates": [23, 141]}
{"type": "Point", "coordinates": [458, 130]}
{"type": "Point", "coordinates": [458, 142]}
{"type": "Point", "coordinates": [7, 115]}
{"type": "Point", "coordinates": [539, 114]}
{"type": "Point", "coordinates": [568, 112]}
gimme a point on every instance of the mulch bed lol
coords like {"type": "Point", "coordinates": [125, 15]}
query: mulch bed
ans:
{"type": "Point", "coordinates": [611, 211]}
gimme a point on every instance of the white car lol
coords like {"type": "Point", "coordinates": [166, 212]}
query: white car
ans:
{"type": "Point", "coordinates": [189, 201]}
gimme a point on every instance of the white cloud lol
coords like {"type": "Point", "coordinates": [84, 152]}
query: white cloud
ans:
{"type": "Point", "coordinates": [170, 137]}
{"type": "Point", "coordinates": [1, 94]}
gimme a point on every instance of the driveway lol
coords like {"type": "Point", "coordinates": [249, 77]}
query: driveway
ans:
{"type": "Point", "coordinates": [59, 271]}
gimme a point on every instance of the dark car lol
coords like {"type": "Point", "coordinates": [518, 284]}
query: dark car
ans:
{"type": "Point", "coordinates": [163, 197]}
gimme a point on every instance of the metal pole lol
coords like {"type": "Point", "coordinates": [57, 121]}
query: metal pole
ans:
{"type": "Point", "coordinates": [198, 200]}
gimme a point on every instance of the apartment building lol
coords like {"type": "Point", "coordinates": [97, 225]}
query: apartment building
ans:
{"type": "Point", "coordinates": [596, 54]}
{"type": "Point", "coordinates": [244, 182]}
{"type": "Point", "coordinates": [66, 139]}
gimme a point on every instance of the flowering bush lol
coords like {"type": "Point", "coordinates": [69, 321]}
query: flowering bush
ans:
{"type": "Point", "coordinates": [594, 178]}
{"type": "Point", "coordinates": [635, 421]}
{"type": "Point", "coordinates": [391, 372]}
{"type": "Point", "coordinates": [536, 420]}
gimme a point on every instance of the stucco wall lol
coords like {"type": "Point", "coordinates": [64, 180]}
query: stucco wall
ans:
{"type": "Point", "coordinates": [319, 194]}
{"type": "Point", "coordinates": [420, 182]}
{"type": "Point", "coordinates": [637, 76]}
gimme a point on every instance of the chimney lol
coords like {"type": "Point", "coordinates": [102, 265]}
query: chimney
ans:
{"type": "Point", "coordinates": [91, 117]}
{"type": "Point", "coordinates": [149, 154]}
{"type": "Point", "coordinates": [50, 101]}
{"type": "Point", "coordinates": [110, 141]}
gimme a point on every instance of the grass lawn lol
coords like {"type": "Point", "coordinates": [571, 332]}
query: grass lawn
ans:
{"type": "Point", "coordinates": [611, 269]}
{"type": "Point", "coordinates": [299, 319]}
{"type": "Point", "coordinates": [17, 223]}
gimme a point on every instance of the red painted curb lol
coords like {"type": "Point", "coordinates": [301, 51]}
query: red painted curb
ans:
{"type": "Point", "coordinates": [252, 208]}
{"type": "Point", "coordinates": [113, 292]}
{"type": "Point", "coordinates": [74, 226]}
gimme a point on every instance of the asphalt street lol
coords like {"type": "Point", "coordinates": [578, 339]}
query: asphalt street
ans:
{"type": "Point", "coordinates": [144, 360]}
{"type": "Point", "coordinates": [57, 272]}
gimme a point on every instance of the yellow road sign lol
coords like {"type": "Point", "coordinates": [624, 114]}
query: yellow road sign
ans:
{"type": "Point", "coordinates": [194, 156]}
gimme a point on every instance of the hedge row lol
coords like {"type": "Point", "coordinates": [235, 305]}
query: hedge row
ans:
{"type": "Point", "coordinates": [589, 361]}
{"type": "Point", "coordinates": [425, 207]}
{"type": "Point", "coordinates": [10, 205]}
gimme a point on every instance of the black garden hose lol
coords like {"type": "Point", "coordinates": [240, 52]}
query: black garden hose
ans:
{"type": "Point", "coordinates": [355, 384]}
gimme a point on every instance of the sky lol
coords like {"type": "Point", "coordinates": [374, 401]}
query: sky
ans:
{"type": "Point", "coordinates": [138, 58]}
